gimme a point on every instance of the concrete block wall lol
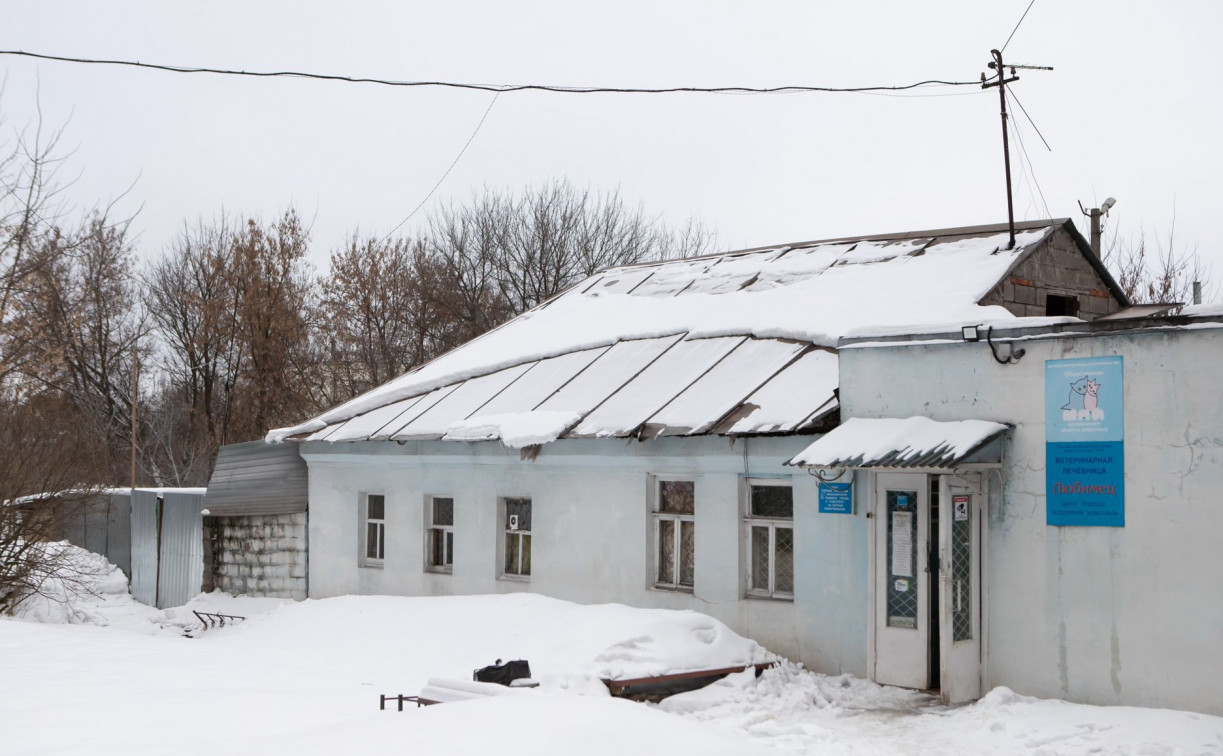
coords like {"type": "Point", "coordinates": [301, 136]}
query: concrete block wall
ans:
{"type": "Point", "coordinates": [260, 555]}
{"type": "Point", "coordinates": [1057, 268]}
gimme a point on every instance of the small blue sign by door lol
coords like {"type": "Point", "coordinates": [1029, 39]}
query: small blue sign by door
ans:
{"type": "Point", "coordinates": [837, 498]}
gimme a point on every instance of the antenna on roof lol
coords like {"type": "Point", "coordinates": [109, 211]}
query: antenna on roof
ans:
{"type": "Point", "coordinates": [1001, 83]}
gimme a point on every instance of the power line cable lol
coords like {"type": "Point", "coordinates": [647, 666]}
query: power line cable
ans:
{"type": "Point", "coordinates": [499, 88]}
{"type": "Point", "coordinates": [1023, 150]}
{"type": "Point", "coordinates": [1031, 171]}
{"type": "Point", "coordinates": [1024, 110]}
{"type": "Point", "coordinates": [1017, 24]}
{"type": "Point", "coordinates": [453, 163]}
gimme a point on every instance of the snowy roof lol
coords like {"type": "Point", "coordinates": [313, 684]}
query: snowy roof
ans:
{"type": "Point", "coordinates": [892, 442]}
{"type": "Point", "coordinates": [735, 343]}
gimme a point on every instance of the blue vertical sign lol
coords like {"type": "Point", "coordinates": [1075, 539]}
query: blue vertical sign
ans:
{"type": "Point", "coordinates": [837, 498]}
{"type": "Point", "coordinates": [1084, 442]}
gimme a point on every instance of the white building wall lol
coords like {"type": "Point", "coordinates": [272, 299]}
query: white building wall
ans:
{"type": "Point", "coordinates": [1101, 615]}
{"type": "Point", "coordinates": [590, 531]}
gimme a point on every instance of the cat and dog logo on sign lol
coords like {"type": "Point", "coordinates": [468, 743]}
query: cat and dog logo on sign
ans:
{"type": "Point", "coordinates": [1084, 442]}
{"type": "Point", "coordinates": [1084, 401]}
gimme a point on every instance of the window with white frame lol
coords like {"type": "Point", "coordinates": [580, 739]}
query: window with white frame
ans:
{"type": "Point", "coordinates": [439, 534]}
{"type": "Point", "coordinates": [769, 531]}
{"type": "Point", "coordinates": [517, 525]}
{"type": "Point", "coordinates": [674, 534]}
{"type": "Point", "coordinates": [373, 529]}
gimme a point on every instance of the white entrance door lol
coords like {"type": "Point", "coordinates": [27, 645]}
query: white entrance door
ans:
{"type": "Point", "coordinates": [960, 525]}
{"type": "Point", "coordinates": [902, 590]}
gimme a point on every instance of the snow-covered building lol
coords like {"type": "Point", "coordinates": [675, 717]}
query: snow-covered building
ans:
{"type": "Point", "coordinates": [644, 438]}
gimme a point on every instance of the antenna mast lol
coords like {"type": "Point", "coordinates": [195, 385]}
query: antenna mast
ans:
{"type": "Point", "coordinates": [1001, 83]}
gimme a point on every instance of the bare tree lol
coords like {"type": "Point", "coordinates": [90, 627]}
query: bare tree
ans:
{"type": "Point", "coordinates": [192, 298]}
{"type": "Point", "coordinates": [375, 314]}
{"type": "Point", "coordinates": [231, 305]}
{"type": "Point", "coordinates": [40, 496]}
{"type": "Point", "coordinates": [29, 206]}
{"type": "Point", "coordinates": [1160, 272]}
{"type": "Point", "coordinates": [503, 254]}
{"type": "Point", "coordinates": [538, 243]}
{"type": "Point", "coordinates": [274, 292]}
{"type": "Point", "coordinates": [42, 448]}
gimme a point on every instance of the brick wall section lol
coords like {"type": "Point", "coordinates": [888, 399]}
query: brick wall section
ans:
{"type": "Point", "coordinates": [1059, 268]}
{"type": "Point", "coordinates": [257, 555]}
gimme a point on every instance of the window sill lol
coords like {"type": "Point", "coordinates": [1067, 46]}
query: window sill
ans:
{"type": "Point", "coordinates": [440, 570]}
{"type": "Point", "coordinates": [688, 589]}
{"type": "Point", "coordinates": [515, 578]}
{"type": "Point", "coordinates": [371, 565]}
{"type": "Point", "coordinates": [786, 597]}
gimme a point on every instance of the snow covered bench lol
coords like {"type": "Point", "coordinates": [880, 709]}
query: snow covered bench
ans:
{"type": "Point", "coordinates": [441, 690]}
{"type": "Point", "coordinates": [447, 690]}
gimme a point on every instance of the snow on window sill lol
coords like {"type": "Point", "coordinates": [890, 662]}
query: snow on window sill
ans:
{"type": "Point", "coordinates": [787, 597]}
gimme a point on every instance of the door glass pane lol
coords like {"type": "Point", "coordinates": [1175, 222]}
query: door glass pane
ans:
{"type": "Point", "coordinates": [760, 558]}
{"type": "Point", "coordinates": [666, 551]}
{"type": "Point", "coordinates": [961, 568]}
{"type": "Point", "coordinates": [784, 567]}
{"type": "Point", "coordinates": [687, 552]}
{"type": "Point", "coordinates": [902, 559]}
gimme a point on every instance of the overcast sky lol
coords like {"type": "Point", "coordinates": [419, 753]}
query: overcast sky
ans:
{"type": "Point", "coordinates": [1130, 111]}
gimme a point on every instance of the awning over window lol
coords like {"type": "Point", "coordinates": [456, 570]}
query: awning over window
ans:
{"type": "Point", "coordinates": [257, 479]}
{"type": "Point", "coordinates": [910, 442]}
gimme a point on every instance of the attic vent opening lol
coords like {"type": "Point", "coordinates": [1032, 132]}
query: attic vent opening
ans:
{"type": "Point", "coordinates": [1058, 305]}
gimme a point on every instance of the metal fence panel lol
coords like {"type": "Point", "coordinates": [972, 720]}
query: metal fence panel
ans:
{"type": "Point", "coordinates": [119, 532]}
{"type": "Point", "coordinates": [94, 515]}
{"type": "Point", "coordinates": [182, 549]}
{"type": "Point", "coordinates": [144, 517]}
{"type": "Point", "coordinates": [71, 515]}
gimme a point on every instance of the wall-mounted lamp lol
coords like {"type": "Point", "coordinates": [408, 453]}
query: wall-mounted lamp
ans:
{"type": "Point", "coordinates": [971, 333]}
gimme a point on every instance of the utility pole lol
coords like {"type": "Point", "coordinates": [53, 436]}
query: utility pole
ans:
{"type": "Point", "coordinates": [1095, 215]}
{"type": "Point", "coordinates": [135, 389]}
{"type": "Point", "coordinates": [1001, 83]}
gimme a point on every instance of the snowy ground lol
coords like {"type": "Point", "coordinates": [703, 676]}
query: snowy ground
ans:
{"type": "Point", "coordinates": [105, 675]}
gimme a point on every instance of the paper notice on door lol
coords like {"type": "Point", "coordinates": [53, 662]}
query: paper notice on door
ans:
{"type": "Point", "coordinates": [902, 544]}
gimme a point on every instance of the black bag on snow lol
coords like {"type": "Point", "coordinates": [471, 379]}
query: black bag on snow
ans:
{"type": "Point", "coordinates": [503, 674]}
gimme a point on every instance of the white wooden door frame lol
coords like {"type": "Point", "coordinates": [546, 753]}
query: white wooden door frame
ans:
{"type": "Point", "coordinates": [981, 488]}
{"type": "Point", "coordinates": [960, 673]}
{"type": "Point", "coordinates": [917, 672]}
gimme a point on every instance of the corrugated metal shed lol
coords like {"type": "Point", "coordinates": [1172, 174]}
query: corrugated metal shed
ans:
{"type": "Point", "coordinates": [119, 531]}
{"type": "Point", "coordinates": [145, 515]}
{"type": "Point", "coordinates": [181, 566]}
{"type": "Point", "coordinates": [257, 479]}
